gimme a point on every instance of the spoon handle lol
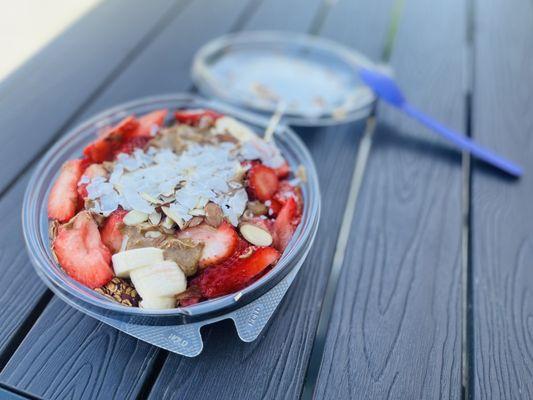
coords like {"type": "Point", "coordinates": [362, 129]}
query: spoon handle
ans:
{"type": "Point", "coordinates": [463, 142]}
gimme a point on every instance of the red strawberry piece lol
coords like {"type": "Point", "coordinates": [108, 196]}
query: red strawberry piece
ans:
{"type": "Point", "coordinates": [190, 296]}
{"type": "Point", "coordinates": [219, 243]}
{"type": "Point", "coordinates": [286, 191]}
{"type": "Point", "coordinates": [90, 172]}
{"type": "Point", "coordinates": [285, 224]}
{"type": "Point", "coordinates": [227, 278]}
{"type": "Point", "coordinates": [274, 207]}
{"type": "Point", "coordinates": [100, 150]}
{"type": "Point", "coordinates": [63, 199]}
{"type": "Point", "coordinates": [81, 253]}
{"type": "Point", "coordinates": [148, 123]}
{"type": "Point", "coordinates": [85, 163]}
{"type": "Point", "coordinates": [103, 148]}
{"type": "Point", "coordinates": [283, 171]}
{"type": "Point", "coordinates": [189, 301]}
{"type": "Point", "coordinates": [130, 144]}
{"type": "Point", "coordinates": [197, 117]}
{"type": "Point", "coordinates": [262, 182]}
{"type": "Point", "coordinates": [111, 234]}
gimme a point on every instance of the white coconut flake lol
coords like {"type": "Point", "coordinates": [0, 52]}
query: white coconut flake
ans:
{"type": "Point", "coordinates": [188, 181]}
{"type": "Point", "coordinates": [268, 153]}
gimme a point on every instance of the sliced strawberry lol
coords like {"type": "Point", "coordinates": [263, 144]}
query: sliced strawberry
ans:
{"type": "Point", "coordinates": [100, 150]}
{"type": "Point", "coordinates": [219, 243]}
{"type": "Point", "coordinates": [190, 296]}
{"type": "Point", "coordinates": [286, 191]}
{"type": "Point", "coordinates": [130, 144]}
{"type": "Point", "coordinates": [103, 148]}
{"type": "Point", "coordinates": [63, 199]}
{"type": "Point", "coordinates": [111, 231]}
{"type": "Point", "coordinates": [262, 182]}
{"type": "Point", "coordinates": [189, 301]}
{"type": "Point", "coordinates": [219, 280]}
{"type": "Point", "coordinates": [285, 224]}
{"type": "Point", "coordinates": [81, 253]}
{"type": "Point", "coordinates": [197, 117]}
{"type": "Point", "coordinates": [283, 171]}
{"type": "Point", "coordinates": [90, 172]}
{"type": "Point", "coordinates": [85, 163]}
{"type": "Point", "coordinates": [274, 207]}
{"type": "Point", "coordinates": [148, 123]}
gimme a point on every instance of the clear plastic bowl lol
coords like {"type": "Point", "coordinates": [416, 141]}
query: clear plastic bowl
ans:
{"type": "Point", "coordinates": [35, 220]}
{"type": "Point", "coordinates": [316, 79]}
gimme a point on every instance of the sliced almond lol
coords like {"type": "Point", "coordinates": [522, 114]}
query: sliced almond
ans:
{"type": "Point", "coordinates": [170, 214]}
{"type": "Point", "coordinates": [202, 201]}
{"type": "Point", "coordinates": [240, 171]}
{"type": "Point", "coordinates": [256, 235]}
{"type": "Point", "coordinates": [173, 216]}
{"type": "Point", "coordinates": [167, 223]}
{"type": "Point", "coordinates": [213, 215]}
{"type": "Point", "coordinates": [197, 212]}
{"type": "Point", "coordinates": [154, 218]}
{"type": "Point", "coordinates": [258, 208]}
{"type": "Point", "coordinates": [194, 221]}
{"type": "Point", "coordinates": [152, 234]}
{"type": "Point", "coordinates": [135, 217]}
{"type": "Point", "coordinates": [150, 199]}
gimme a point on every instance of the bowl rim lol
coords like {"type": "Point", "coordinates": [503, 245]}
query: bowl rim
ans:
{"type": "Point", "coordinates": [349, 56]}
{"type": "Point", "coordinates": [39, 248]}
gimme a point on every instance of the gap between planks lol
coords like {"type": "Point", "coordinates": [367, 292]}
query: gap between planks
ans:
{"type": "Point", "coordinates": [15, 392]}
{"type": "Point", "coordinates": [317, 351]}
{"type": "Point", "coordinates": [467, 291]}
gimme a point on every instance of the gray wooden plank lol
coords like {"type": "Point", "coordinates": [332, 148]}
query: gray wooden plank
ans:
{"type": "Point", "coordinates": [39, 98]}
{"type": "Point", "coordinates": [164, 66]}
{"type": "Point", "coordinates": [363, 25]}
{"type": "Point", "coordinates": [395, 329]}
{"type": "Point", "coordinates": [274, 366]}
{"type": "Point", "coordinates": [20, 288]}
{"type": "Point", "coordinates": [501, 209]}
{"type": "Point", "coordinates": [87, 361]}
{"type": "Point", "coordinates": [280, 15]}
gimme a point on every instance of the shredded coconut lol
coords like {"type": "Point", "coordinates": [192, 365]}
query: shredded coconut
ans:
{"type": "Point", "coordinates": [268, 153]}
{"type": "Point", "coordinates": [198, 175]}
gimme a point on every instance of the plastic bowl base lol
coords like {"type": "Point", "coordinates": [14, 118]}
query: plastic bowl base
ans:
{"type": "Point", "coordinates": [186, 339]}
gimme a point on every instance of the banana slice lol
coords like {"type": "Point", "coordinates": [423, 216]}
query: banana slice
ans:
{"type": "Point", "coordinates": [158, 303]}
{"type": "Point", "coordinates": [126, 261]}
{"type": "Point", "coordinates": [161, 279]}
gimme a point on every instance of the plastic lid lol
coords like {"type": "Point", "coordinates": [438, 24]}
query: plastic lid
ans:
{"type": "Point", "coordinates": [314, 81]}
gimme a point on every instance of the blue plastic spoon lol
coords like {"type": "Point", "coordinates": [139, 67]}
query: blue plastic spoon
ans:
{"type": "Point", "coordinates": [386, 89]}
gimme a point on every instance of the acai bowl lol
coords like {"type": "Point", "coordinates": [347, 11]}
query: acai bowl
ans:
{"type": "Point", "coordinates": [40, 239]}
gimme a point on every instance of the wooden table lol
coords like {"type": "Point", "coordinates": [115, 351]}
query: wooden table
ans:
{"type": "Point", "coordinates": [418, 285]}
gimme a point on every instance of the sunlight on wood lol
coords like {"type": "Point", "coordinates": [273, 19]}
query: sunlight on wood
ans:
{"type": "Point", "coordinates": [26, 26]}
